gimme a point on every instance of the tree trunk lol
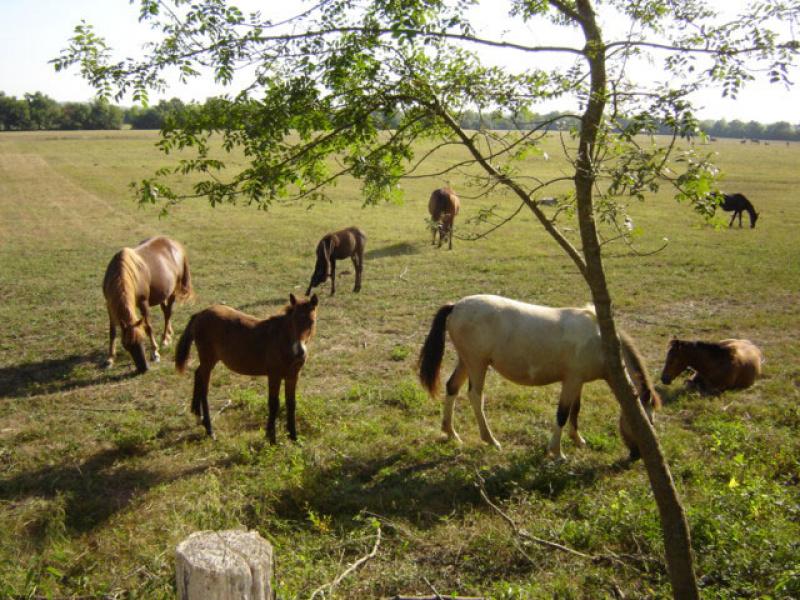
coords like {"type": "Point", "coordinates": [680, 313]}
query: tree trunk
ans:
{"type": "Point", "coordinates": [221, 565]}
{"type": "Point", "coordinates": [675, 529]}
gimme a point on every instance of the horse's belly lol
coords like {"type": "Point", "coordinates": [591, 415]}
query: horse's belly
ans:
{"type": "Point", "coordinates": [528, 373]}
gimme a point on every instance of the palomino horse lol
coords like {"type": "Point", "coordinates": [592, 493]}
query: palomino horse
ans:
{"type": "Point", "coordinates": [443, 206]}
{"type": "Point", "coordinates": [349, 242]}
{"type": "Point", "coordinates": [726, 365]}
{"type": "Point", "coordinates": [154, 272]}
{"type": "Point", "coordinates": [275, 347]}
{"type": "Point", "coordinates": [529, 345]}
{"type": "Point", "coordinates": [737, 204]}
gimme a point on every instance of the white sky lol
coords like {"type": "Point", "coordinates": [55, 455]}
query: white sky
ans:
{"type": "Point", "coordinates": [34, 31]}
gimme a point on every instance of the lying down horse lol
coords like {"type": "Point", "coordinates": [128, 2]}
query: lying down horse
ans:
{"type": "Point", "coordinates": [275, 347]}
{"type": "Point", "coordinates": [726, 365]}
{"type": "Point", "coordinates": [737, 203]}
{"type": "Point", "coordinates": [156, 272]}
{"type": "Point", "coordinates": [529, 345]}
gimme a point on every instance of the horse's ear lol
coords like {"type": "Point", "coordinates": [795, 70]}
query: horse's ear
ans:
{"type": "Point", "coordinates": [292, 299]}
{"type": "Point", "coordinates": [314, 300]}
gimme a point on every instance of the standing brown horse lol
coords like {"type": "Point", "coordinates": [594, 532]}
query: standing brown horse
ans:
{"type": "Point", "coordinates": [154, 272]}
{"type": "Point", "coordinates": [275, 347]}
{"type": "Point", "coordinates": [443, 207]}
{"type": "Point", "coordinates": [726, 365]}
{"type": "Point", "coordinates": [349, 242]}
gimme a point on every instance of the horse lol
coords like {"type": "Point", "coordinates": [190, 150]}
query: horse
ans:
{"type": "Point", "coordinates": [275, 347]}
{"type": "Point", "coordinates": [529, 345]}
{"type": "Point", "coordinates": [443, 207]}
{"type": "Point", "coordinates": [349, 242]}
{"type": "Point", "coordinates": [737, 203]}
{"type": "Point", "coordinates": [156, 272]}
{"type": "Point", "coordinates": [718, 366]}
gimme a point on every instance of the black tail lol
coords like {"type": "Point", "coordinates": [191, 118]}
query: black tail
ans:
{"type": "Point", "coordinates": [430, 357]}
{"type": "Point", "coordinates": [185, 345]}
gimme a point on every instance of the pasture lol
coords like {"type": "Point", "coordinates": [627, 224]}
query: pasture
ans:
{"type": "Point", "coordinates": [102, 474]}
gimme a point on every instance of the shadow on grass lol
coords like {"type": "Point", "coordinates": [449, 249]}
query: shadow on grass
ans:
{"type": "Point", "coordinates": [57, 375]}
{"type": "Point", "coordinates": [399, 249]}
{"type": "Point", "coordinates": [91, 491]}
{"type": "Point", "coordinates": [422, 492]}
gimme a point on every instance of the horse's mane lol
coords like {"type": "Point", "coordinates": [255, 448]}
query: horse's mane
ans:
{"type": "Point", "coordinates": [120, 282]}
{"type": "Point", "coordinates": [716, 350]}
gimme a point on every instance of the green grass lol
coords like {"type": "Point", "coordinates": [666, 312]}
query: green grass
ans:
{"type": "Point", "coordinates": [102, 474]}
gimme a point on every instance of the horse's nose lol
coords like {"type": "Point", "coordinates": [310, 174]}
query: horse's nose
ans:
{"type": "Point", "coordinates": [299, 349]}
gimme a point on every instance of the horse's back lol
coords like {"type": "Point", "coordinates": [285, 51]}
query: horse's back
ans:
{"type": "Point", "coordinates": [526, 343]}
{"type": "Point", "coordinates": [443, 201]}
{"type": "Point", "coordinates": [746, 359]}
{"type": "Point", "coordinates": [166, 260]}
{"type": "Point", "coordinates": [349, 241]}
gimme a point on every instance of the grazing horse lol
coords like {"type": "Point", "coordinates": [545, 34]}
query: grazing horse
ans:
{"type": "Point", "coordinates": [529, 345]}
{"type": "Point", "coordinates": [275, 347]}
{"type": "Point", "coordinates": [726, 365]}
{"type": "Point", "coordinates": [349, 242]}
{"type": "Point", "coordinates": [737, 204]}
{"type": "Point", "coordinates": [154, 272]}
{"type": "Point", "coordinates": [443, 207]}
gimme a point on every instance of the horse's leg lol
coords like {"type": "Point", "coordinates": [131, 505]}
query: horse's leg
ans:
{"type": "Point", "coordinates": [202, 376]}
{"type": "Point", "coordinates": [454, 384]}
{"type": "Point", "coordinates": [333, 276]}
{"type": "Point", "coordinates": [740, 218]}
{"type": "Point", "coordinates": [288, 391]}
{"type": "Point", "coordinates": [477, 377]}
{"type": "Point", "coordinates": [573, 422]}
{"type": "Point", "coordinates": [112, 344]}
{"type": "Point", "coordinates": [732, 219]}
{"type": "Point", "coordinates": [166, 308]}
{"type": "Point", "coordinates": [570, 390]}
{"type": "Point", "coordinates": [274, 384]}
{"type": "Point", "coordinates": [358, 264]}
{"type": "Point", "coordinates": [145, 310]}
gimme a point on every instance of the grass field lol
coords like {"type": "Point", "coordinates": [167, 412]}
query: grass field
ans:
{"type": "Point", "coordinates": [102, 474]}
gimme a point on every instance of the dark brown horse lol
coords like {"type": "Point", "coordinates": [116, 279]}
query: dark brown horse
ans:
{"type": "Point", "coordinates": [275, 347]}
{"type": "Point", "coordinates": [737, 203]}
{"type": "Point", "coordinates": [726, 365]}
{"type": "Point", "coordinates": [156, 272]}
{"type": "Point", "coordinates": [443, 207]}
{"type": "Point", "coordinates": [345, 243]}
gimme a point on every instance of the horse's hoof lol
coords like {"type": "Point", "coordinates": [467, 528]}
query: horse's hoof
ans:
{"type": "Point", "coordinates": [452, 436]}
{"type": "Point", "coordinates": [578, 439]}
{"type": "Point", "coordinates": [156, 358]}
{"type": "Point", "coordinates": [108, 364]}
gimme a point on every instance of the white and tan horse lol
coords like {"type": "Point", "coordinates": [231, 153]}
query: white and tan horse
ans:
{"type": "Point", "coordinates": [529, 345]}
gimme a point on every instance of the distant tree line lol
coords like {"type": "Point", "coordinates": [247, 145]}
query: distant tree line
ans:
{"type": "Point", "coordinates": [37, 112]}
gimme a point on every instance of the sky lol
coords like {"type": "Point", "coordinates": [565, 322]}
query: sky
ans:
{"type": "Point", "coordinates": [32, 32]}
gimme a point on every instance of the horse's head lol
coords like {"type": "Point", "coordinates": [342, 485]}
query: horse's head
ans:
{"type": "Point", "coordinates": [676, 361]}
{"type": "Point", "coordinates": [753, 220]}
{"type": "Point", "coordinates": [133, 337]}
{"type": "Point", "coordinates": [302, 319]}
{"type": "Point", "coordinates": [322, 268]}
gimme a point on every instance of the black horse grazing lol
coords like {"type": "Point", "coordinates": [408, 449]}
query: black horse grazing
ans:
{"type": "Point", "coordinates": [340, 244]}
{"type": "Point", "coordinates": [737, 204]}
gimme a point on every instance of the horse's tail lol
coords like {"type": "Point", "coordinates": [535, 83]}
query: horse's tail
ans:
{"type": "Point", "coordinates": [635, 363]}
{"type": "Point", "coordinates": [430, 357]}
{"type": "Point", "coordinates": [185, 290]}
{"type": "Point", "coordinates": [185, 345]}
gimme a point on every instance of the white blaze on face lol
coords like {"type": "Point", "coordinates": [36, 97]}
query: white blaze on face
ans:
{"type": "Point", "coordinates": [299, 348]}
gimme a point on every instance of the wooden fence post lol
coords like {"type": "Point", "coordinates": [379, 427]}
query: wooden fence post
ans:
{"type": "Point", "coordinates": [223, 565]}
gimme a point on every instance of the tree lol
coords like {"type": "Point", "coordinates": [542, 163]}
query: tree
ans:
{"type": "Point", "coordinates": [320, 80]}
{"type": "Point", "coordinates": [14, 114]}
{"type": "Point", "coordinates": [44, 112]}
